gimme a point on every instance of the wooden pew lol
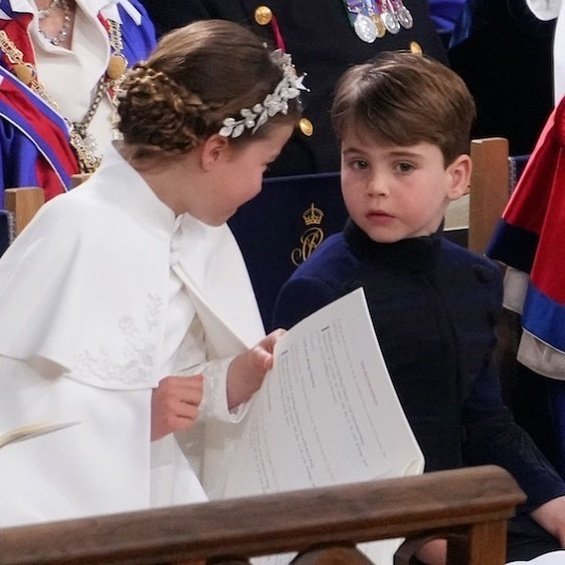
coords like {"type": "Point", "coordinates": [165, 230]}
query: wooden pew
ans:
{"type": "Point", "coordinates": [471, 506]}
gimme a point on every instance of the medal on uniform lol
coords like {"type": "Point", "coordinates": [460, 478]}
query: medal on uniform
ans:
{"type": "Point", "coordinates": [379, 25]}
{"type": "Point", "coordinates": [365, 28]}
{"type": "Point", "coordinates": [405, 18]}
{"type": "Point", "coordinates": [390, 21]}
{"type": "Point", "coordinates": [371, 19]}
{"type": "Point", "coordinates": [403, 14]}
{"type": "Point", "coordinates": [361, 20]}
{"type": "Point", "coordinates": [373, 13]}
{"type": "Point", "coordinates": [385, 10]}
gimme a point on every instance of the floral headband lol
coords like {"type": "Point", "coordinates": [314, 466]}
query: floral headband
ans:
{"type": "Point", "coordinates": [277, 102]}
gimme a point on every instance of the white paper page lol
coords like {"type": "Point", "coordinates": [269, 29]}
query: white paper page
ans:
{"type": "Point", "coordinates": [327, 413]}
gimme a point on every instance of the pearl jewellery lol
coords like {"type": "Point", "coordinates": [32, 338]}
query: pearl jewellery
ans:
{"type": "Point", "coordinates": [277, 102]}
{"type": "Point", "coordinates": [65, 28]}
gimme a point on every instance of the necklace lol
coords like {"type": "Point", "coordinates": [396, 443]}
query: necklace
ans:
{"type": "Point", "coordinates": [65, 28]}
{"type": "Point", "coordinates": [42, 14]}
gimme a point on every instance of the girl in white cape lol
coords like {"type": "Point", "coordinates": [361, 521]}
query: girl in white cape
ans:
{"type": "Point", "coordinates": [121, 289]}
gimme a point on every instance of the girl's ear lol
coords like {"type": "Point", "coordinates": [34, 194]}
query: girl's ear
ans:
{"type": "Point", "coordinates": [460, 176]}
{"type": "Point", "coordinates": [212, 150]}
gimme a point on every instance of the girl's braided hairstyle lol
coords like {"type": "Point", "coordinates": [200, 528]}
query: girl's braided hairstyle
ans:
{"type": "Point", "coordinates": [197, 76]}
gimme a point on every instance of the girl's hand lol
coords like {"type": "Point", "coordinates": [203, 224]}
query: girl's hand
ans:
{"type": "Point", "coordinates": [174, 404]}
{"type": "Point", "coordinates": [247, 371]}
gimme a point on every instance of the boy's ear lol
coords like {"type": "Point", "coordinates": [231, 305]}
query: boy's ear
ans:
{"type": "Point", "coordinates": [460, 177]}
{"type": "Point", "coordinates": [212, 150]}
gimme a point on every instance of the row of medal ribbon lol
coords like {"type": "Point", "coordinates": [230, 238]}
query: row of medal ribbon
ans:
{"type": "Point", "coordinates": [371, 19]}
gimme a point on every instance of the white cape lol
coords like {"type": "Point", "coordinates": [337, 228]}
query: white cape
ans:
{"type": "Point", "coordinates": [82, 315]}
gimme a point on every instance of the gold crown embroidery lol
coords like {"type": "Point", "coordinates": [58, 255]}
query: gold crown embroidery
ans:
{"type": "Point", "coordinates": [313, 216]}
{"type": "Point", "coordinates": [311, 238]}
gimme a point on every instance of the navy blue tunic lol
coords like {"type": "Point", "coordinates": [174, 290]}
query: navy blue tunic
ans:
{"type": "Point", "coordinates": [434, 306]}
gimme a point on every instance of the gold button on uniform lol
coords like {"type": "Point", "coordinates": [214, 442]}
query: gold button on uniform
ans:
{"type": "Point", "coordinates": [415, 48]}
{"type": "Point", "coordinates": [306, 127]}
{"type": "Point", "coordinates": [263, 15]}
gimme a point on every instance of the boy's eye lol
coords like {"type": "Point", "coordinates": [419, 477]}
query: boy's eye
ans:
{"type": "Point", "coordinates": [359, 164]}
{"type": "Point", "coordinates": [404, 167]}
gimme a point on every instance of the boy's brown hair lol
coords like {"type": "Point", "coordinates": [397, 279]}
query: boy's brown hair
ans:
{"type": "Point", "coordinates": [404, 99]}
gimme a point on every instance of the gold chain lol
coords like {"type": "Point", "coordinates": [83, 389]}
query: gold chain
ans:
{"type": "Point", "coordinates": [27, 73]}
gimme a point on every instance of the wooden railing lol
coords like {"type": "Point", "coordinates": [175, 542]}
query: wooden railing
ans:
{"type": "Point", "coordinates": [470, 506]}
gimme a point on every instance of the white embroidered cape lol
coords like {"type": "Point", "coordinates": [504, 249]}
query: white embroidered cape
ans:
{"type": "Point", "coordinates": [83, 294]}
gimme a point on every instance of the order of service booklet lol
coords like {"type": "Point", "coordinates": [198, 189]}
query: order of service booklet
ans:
{"type": "Point", "coordinates": [327, 414]}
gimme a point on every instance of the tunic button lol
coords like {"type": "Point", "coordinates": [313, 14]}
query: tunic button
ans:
{"type": "Point", "coordinates": [263, 15]}
{"type": "Point", "coordinates": [415, 48]}
{"type": "Point", "coordinates": [306, 127]}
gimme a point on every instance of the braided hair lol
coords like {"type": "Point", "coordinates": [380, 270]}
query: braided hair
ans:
{"type": "Point", "coordinates": [197, 76]}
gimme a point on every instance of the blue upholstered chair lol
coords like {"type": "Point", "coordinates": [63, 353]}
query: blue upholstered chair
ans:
{"type": "Point", "coordinates": [282, 226]}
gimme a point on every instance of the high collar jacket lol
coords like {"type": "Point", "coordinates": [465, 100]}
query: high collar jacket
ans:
{"type": "Point", "coordinates": [434, 307]}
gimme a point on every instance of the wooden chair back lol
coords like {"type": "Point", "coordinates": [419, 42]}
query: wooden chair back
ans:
{"type": "Point", "coordinates": [23, 203]}
{"type": "Point", "coordinates": [471, 506]}
{"type": "Point", "coordinates": [489, 189]}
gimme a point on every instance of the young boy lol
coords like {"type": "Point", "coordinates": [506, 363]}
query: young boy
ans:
{"type": "Point", "coordinates": [404, 123]}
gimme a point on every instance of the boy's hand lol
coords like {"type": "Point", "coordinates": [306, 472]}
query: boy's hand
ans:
{"type": "Point", "coordinates": [551, 517]}
{"type": "Point", "coordinates": [247, 371]}
{"type": "Point", "coordinates": [433, 553]}
{"type": "Point", "coordinates": [174, 405]}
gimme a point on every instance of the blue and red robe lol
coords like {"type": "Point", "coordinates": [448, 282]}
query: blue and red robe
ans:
{"type": "Point", "coordinates": [34, 139]}
{"type": "Point", "coordinates": [530, 238]}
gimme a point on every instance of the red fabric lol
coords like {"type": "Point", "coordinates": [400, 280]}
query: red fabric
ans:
{"type": "Point", "coordinates": [538, 205]}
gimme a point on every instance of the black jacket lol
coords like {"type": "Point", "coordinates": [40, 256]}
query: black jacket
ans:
{"type": "Point", "coordinates": [507, 63]}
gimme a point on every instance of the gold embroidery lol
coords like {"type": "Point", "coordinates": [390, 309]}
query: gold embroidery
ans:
{"type": "Point", "coordinates": [311, 238]}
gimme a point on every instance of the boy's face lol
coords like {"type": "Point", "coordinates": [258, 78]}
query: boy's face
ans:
{"type": "Point", "coordinates": [395, 192]}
